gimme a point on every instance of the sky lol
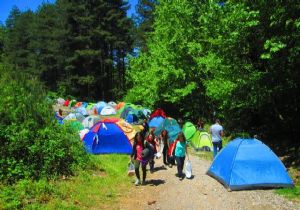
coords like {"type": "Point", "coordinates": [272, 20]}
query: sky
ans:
{"type": "Point", "coordinates": [23, 5]}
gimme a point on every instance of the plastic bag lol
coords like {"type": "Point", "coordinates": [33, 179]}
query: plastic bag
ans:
{"type": "Point", "coordinates": [131, 170]}
{"type": "Point", "coordinates": [158, 155]}
{"type": "Point", "coordinates": [188, 169]}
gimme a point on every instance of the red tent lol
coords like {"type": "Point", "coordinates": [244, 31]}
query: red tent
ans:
{"type": "Point", "coordinates": [158, 112]}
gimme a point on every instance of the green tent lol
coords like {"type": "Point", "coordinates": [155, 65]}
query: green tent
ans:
{"type": "Point", "coordinates": [76, 125]}
{"type": "Point", "coordinates": [90, 106]}
{"type": "Point", "coordinates": [189, 130]}
{"type": "Point", "coordinates": [124, 107]}
{"type": "Point", "coordinates": [201, 141]}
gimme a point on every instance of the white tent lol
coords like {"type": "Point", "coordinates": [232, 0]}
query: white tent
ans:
{"type": "Point", "coordinates": [108, 110]}
{"type": "Point", "coordinates": [74, 116]}
{"type": "Point", "coordinates": [112, 104]}
{"type": "Point", "coordinates": [90, 121]}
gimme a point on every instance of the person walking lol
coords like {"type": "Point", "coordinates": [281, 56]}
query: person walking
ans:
{"type": "Point", "coordinates": [137, 158]}
{"type": "Point", "coordinates": [217, 133]}
{"type": "Point", "coordinates": [200, 125]}
{"type": "Point", "coordinates": [152, 140]}
{"type": "Point", "coordinates": [165, 141]}
{"type": "Point", "coordinates": [180, 153]}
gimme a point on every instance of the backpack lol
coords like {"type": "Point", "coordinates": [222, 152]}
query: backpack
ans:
{"type": "Point", "coordinates": [148, 151]}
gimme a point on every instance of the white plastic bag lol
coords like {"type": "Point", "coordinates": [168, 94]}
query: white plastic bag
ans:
{"type": "Point", "coordinates": [158, 155]}
{"type": "Point", "coordinates": [188, 169]}
{"type": "Point", "coordinates": [131, 170]}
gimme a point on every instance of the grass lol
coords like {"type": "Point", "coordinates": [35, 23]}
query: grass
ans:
{"type": "Point", "coordinates": [98, 187]}
{"type": "Point", "coordinates": [208, 155]}
{"type": "Point", "coordinates": [292, 193]}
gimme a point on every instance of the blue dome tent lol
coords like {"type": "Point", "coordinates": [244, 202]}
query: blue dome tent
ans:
{"type": "Point", "coordinates": [156, 121]}
{"type": "Point", "coordinates": [249, 164]}
{"type": "Point", "coordinates": [106, 137]}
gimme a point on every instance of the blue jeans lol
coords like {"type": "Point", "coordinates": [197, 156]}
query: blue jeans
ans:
{"type": "Point", "coordinates": [217, 146]}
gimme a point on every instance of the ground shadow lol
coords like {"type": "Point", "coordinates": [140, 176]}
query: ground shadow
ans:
{"type": "Point", "coordinates": [192, 177]}
{"type": "Point", "coordinates": [155, 182]}
{"type": "Point", "coordinates": [160, 168]}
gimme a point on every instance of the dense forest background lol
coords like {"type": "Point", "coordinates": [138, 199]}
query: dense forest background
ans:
{"type": "Point", "coordinates": [235, 60]}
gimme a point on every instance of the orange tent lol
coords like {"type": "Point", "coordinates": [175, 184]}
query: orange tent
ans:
{"type": "Point", "coordinates": [120, 105]}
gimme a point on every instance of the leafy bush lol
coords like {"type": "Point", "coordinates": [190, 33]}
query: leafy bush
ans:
{"type": "Point", "coordinates": [33, 145]}
{"type": "Point", "coordinates": [25, 193]}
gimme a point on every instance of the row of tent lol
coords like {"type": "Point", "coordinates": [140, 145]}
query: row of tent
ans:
{"type": "Point", "coordinates": [241, 164]}
{"type": "Point", "coordinates": [130, 112]}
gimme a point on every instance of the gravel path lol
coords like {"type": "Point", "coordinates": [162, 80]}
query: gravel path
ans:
{"type": "Point", "coordinates": [164, 191]}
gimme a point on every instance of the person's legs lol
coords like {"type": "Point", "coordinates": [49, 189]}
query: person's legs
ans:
{"type": "Point", "coordinates": [215, 144]}
{"type": "Point", "coordinates": [151, 164]}
{"type": "Point", "coordinates": [220, 145]}
{"type": "Point", "coordinates": [182, 163]}
{"type": "Point", "coordinates": [137, 172]}
{"type": "Point", "coordinates": [179, 166]}
{"type": "Point", "coordinates": [165, 149]}
{"type": "Point", "coordinates": [144, 173]}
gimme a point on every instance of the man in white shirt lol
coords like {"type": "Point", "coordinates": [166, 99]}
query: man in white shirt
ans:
{"type": "Point", "coordinates": [217, 132]}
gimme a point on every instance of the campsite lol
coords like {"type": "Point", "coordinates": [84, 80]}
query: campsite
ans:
{"type": "Point", "coordinates": [149, 104]}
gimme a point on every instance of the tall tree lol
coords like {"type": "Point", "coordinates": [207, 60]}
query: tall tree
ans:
{"type": "Point", "coordinates": [96, 44]}
{"type": "Point", "coordinates": [144, 22]}
{"type": "Point", "coordinates": [49, 34]}
{"type": "Point", "coordinates": [2, 37]}
{"type": "Point", "coordinates": [19, 36]}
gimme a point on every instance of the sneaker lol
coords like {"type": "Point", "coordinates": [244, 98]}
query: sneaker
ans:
{"type": "Point", "coordinates": [181, 178]}
{"type": "Point", "coordinates": [137, 182]}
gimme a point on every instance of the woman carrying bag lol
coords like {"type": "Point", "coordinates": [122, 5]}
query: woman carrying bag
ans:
{"type": "Point", "coordinates": [141, 153]}
{"type": "Point", "coordinates": [180, 153]}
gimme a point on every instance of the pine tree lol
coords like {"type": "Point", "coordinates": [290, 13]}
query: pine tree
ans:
{"type": "Point", "coordinates": [96, 44]}
{"type": "Point", "coordinates": [47, 44]}
{"type": "Point", "coordinates": [19, 35]}
{"type": "Point", "coordinates": [144, 22]}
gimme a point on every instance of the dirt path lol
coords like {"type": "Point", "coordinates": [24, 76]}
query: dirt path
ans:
{"type": "Point", "coordinates": [164, 191]}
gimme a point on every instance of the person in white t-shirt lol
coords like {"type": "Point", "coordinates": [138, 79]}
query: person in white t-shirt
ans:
{"type": "Point", "coordinates": [217, 132]}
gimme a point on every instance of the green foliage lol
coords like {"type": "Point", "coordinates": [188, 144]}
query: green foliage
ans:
{"type": "Point", "coordinates": [97, 40]}
{"type": "Point", "coordinates": [101, 182]}
{"type": "Point", "coordinates": [74, 47]}
{"type": "Point", "coordinates": [237, 62]}
{"type": "Point", "coordinates": [33, 145]}
{"type": "Point", "coordinates": [144, 20]}
{"type": "Point", "coordinates": [26, 193]}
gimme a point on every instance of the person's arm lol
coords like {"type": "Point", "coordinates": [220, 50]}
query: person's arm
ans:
{"type": "Point", "coordinates": [133, 152]}
{"type": "Point", "coordinates": [222, 133]}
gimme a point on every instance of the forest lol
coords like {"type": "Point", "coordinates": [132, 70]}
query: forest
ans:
{"type": "Point", "coordinates": [234, 60]}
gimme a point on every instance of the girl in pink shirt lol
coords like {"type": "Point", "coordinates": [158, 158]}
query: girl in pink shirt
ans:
{"type": "Point", "coordinates": [136, 157]}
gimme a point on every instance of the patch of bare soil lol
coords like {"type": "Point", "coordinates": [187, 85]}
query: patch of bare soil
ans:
{"type": "Point", "coordinates": [164, 191]}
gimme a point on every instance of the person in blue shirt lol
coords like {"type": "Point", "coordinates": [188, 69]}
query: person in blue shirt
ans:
{"type": "Point", "coordinates": [180, 153]}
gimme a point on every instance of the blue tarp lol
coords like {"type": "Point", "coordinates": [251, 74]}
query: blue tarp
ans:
{"type": "Point", "coordinates": [156, 121]}
{"type": "Point", "coordinates": [171, 126]}
{"type": "Point", "coordinates": [107, 138]}
{"type": "Point", "coordinates": [249, 164]}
